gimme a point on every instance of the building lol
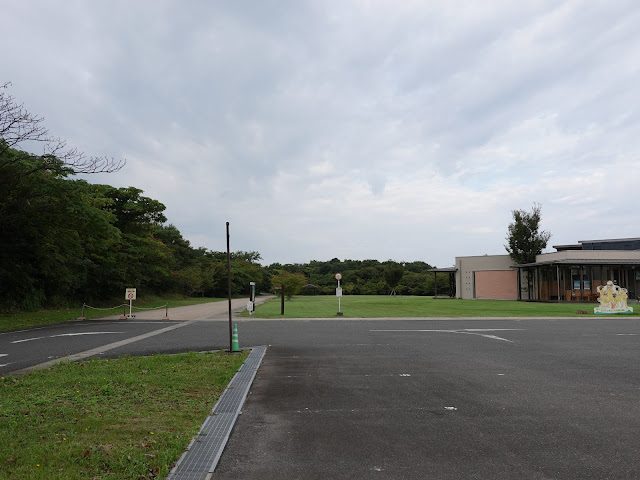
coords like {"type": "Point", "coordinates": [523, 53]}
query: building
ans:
{"type": "Point", "coordinates": [571, 273]}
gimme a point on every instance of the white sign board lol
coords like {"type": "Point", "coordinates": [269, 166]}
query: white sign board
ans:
{"type": "Point", "coordinates": [130, 294]}
{"type": "Point", "coordinates": [339, 292]}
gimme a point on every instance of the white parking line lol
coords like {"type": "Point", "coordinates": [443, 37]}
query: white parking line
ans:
{"type": "Point", "coordinates": [81, 333]}
{"type": "Point", "coordinates": [62, 335]}
{"type": "Point", "coordinates": [101, 349]}
{"type": "Point", "coordinates": [28, 339]}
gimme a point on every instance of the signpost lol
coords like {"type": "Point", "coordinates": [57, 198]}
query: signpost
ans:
{"type": "Point", "coordinates": [339, 292]}
{"type": "Point", "coordinates": [251, 305]}
{"type": "Point", "coordinates": [130, 294]}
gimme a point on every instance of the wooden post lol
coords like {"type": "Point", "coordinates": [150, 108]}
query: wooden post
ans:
{"type": "Point", "coordinates": [282, 300]}
{"type": "Point", "coordinates": [435, 284]}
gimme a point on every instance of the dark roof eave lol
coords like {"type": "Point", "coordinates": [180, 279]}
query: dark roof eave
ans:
{"type": "Point", "coordinates": [583, 261]}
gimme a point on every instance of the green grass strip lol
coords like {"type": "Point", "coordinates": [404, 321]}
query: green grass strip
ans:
{"type": "Point", "coordinates": [127, 418]}
{"type": "Point", "coordinates": [371, 306]}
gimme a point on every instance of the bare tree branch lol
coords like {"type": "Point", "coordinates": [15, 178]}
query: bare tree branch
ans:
{"type": "Point", "coordinates": [18, 126]}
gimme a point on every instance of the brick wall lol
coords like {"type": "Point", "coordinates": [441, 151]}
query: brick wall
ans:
{"type": "Point", "coordinates": [497, 284]}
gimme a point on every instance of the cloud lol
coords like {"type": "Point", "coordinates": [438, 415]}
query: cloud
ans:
{"type": "Point", "coordinates": [347, 129]}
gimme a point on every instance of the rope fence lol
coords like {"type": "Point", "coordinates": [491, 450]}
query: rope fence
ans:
{"type": "Point", "coordinates": [166, 305]}
{"type": "Point", "coordinates": [124, 311]}
{"type": "Point", "coordinates": [84, 305]}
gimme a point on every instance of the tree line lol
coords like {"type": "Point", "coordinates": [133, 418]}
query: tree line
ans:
{"type": "Point", "coordinates": [65, 240]}
{"type": "Point", "coordinates": [359, 277]}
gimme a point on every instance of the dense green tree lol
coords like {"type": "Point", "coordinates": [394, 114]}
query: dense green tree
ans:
{"type": "Point", "coordinates": [64, 240]}
{"type": "Point", "coordinates": [524, 240]}
{"type": "Point", "coordinates": [292, 282]}
{"type": "Point", "coordinates": [134, 213]}
{"type": "Point", "coordinates": [360, 277]}
{"type": "Point", "coordinates": [55, 238]}
{"type": "Point", "coordinates": [183, 254]}
{"type": "Point", "coordinates": [393, 272]}
{"type": "Point", "coordinates": [244, 269]}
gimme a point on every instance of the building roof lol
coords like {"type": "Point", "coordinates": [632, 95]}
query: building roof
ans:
{"type": "Point", "coordinates": [575, 246]}
{"type": "Point", "coordinates": [610, 240]}
{"type": "Point", "coordinates": [446, 269]}
{"type": "Point", "coordinates": [582, 261]}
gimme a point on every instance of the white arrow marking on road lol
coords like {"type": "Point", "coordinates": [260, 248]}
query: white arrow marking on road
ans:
{"type": "Point", "coordinates": [3, 354]}
{"type": "Point", "coordinates": [490, 329]}
{"type": "Point", "coordinates": [468, 331]}
{"type": "Point", "coordinates": [493, 337]}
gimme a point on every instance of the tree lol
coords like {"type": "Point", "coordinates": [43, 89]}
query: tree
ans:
{"type": "Point", "coordinates": [292, 282]}
{"type": "Point", "coordinates": [525, 241]}
{"type": "Point", "coordinates": [393, 274]}
{"type": "Point", "coordinates": [20, 129]}
{"type": "Point", "coordinates": [56, 242]}
{"type": "Point", "coordinates": [134, 213]}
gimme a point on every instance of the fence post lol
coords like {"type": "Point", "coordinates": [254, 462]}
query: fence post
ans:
{"type": "Point", "coordinates": [82, 317]}
{"type": "Point", "coordinates": [124, 312]}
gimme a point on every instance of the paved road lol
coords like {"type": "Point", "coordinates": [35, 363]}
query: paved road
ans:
{"type": "Point", "coordinates": [525, 399]}
{"type": "Point", "coordinates": [22, 350]}
{"type": "Point", "coordinates": [435, 399]}
{"type": "Point", "coordinates": [203, 311]}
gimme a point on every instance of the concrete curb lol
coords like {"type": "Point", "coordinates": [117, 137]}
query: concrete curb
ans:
{"type": "Point", "coordinates": [203, 453]}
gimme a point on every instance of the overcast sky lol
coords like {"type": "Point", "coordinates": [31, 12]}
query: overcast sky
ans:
{"type": "Point", "coordinates": [405, 130]}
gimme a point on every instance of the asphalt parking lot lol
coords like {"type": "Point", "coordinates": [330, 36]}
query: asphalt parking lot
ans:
{"type": "Point", "coordinates": [441, 399]}
{"type": "Point", "coordinates": [422, 398]}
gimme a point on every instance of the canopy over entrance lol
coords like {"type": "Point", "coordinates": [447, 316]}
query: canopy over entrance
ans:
{"type": "Point", "coordinates": [451, 272]}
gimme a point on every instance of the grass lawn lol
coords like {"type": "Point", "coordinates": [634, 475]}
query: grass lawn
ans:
{"type": "Point", "coordinates": [12, 321]}
{"type": "Point", "coordinates": [128, 418]}
{"type": "Point", "coordinates": [358, 306]}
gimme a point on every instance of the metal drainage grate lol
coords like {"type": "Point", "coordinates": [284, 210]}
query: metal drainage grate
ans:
{"type": "Point", "coordinates": [204, 451]}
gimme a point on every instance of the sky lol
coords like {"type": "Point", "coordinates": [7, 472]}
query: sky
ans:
{"type": "Point", "coordinates": [347, 128]}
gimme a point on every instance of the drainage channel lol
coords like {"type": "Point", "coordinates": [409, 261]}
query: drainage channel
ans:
{"type": "Point", "coordinates": [203, 453]}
